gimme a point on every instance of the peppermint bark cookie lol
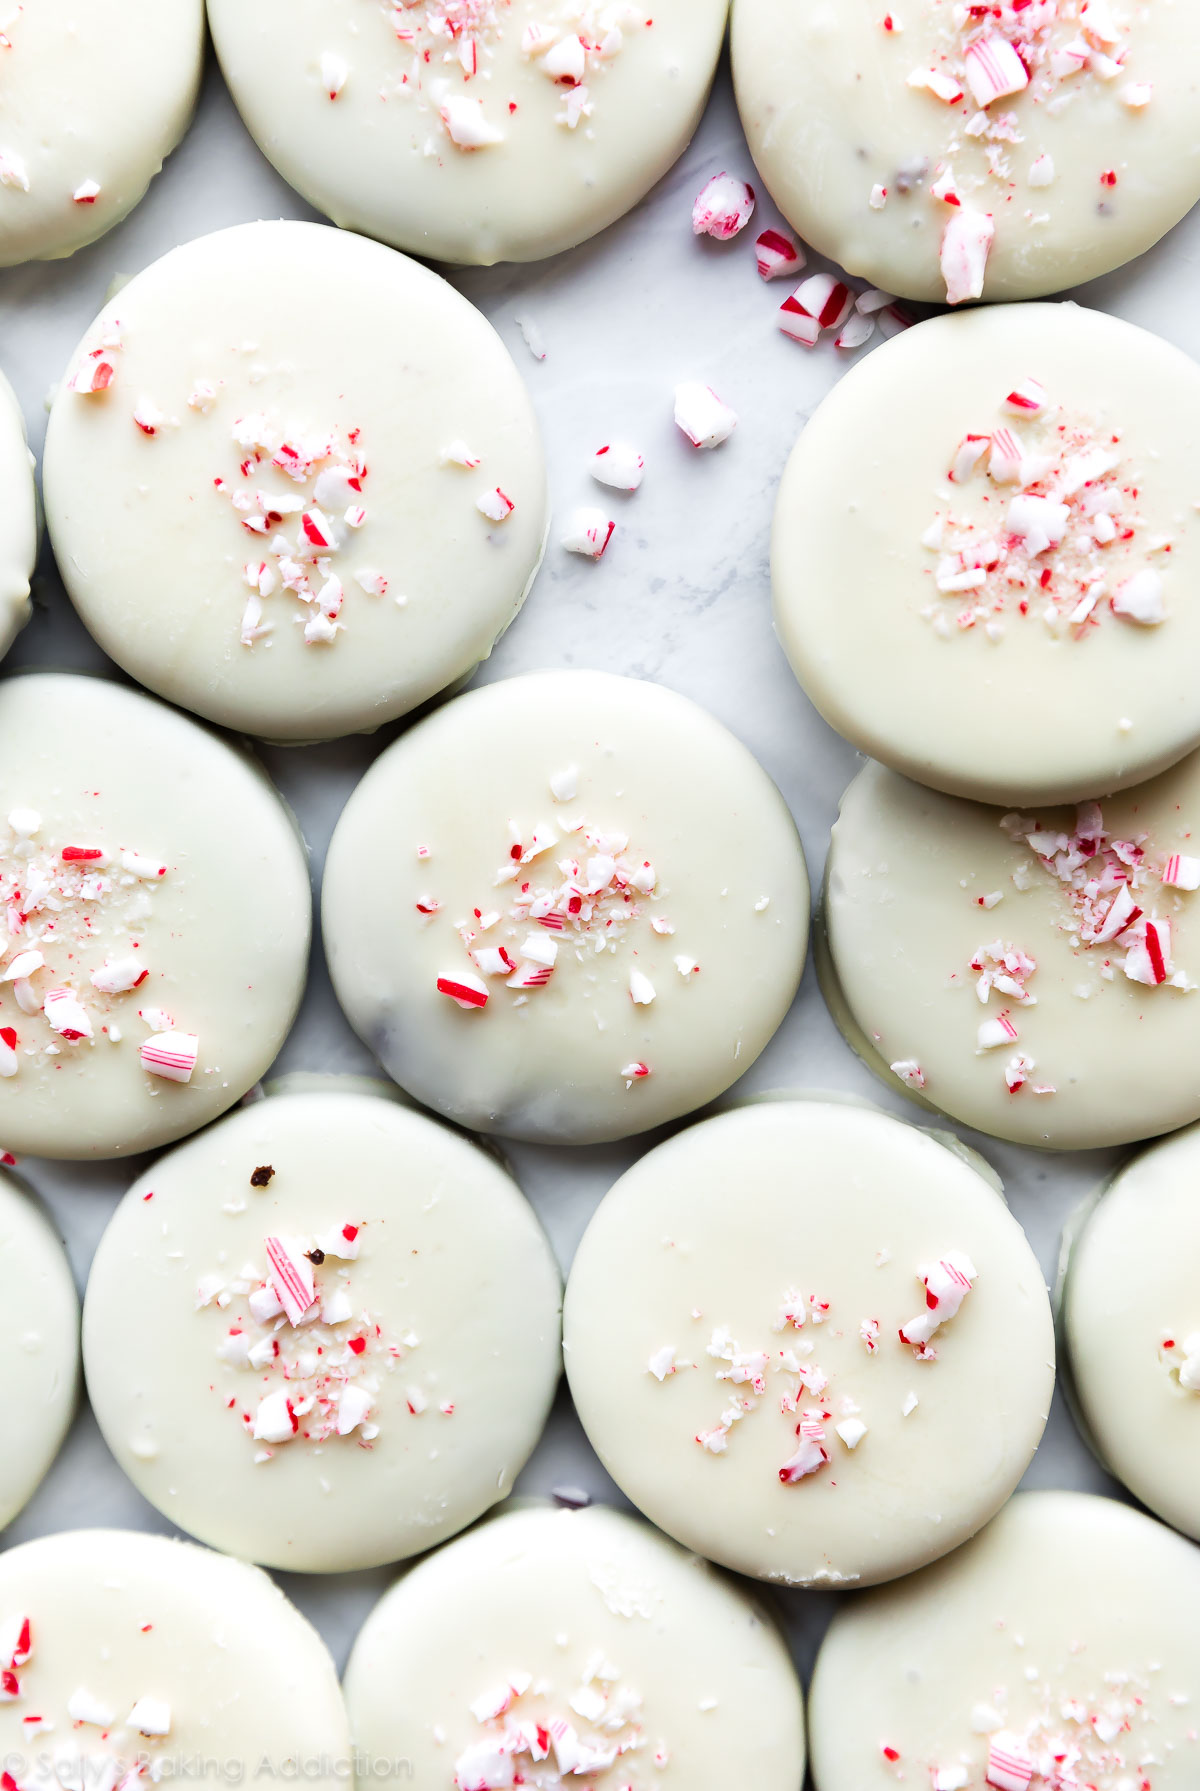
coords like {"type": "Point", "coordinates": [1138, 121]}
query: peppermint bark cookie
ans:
{"type": "Point", "coordinates": [41, 1332]}
{"type": "Point", "coordinates": [1058, 1651]}
{"type": "Point", "coordinates": [1131, 1326]}
{"type": "Point", "coordinates": [19, 521]}
{"type": "Point", "coordinates": [777, 1389]}
{"type": "Point", "coordinates": [998, 511]}
{"type": "Point", "coordinates": [556, 1648]}
{"type": "Point", "coordinates": [950, 152]}
{"type": "Point", "coordinates": [1034, 974]}
{"type": "Point", "coordinates": [156, 920]}
{"type": "Point", "coordinates": [356, 1323]}
{"type": "Point", "coordinates": [127, 1657]}
{"type": "Point", "coordinates": [471, 130]}
{"type": "Point", "coordinates": [94, 94]}
{"type": "Point", "coordinates": [566, 907]}
{"type": "Point", "coordinates": [294, 481]}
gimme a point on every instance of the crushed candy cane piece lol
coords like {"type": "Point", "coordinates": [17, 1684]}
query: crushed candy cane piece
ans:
{"type": "Point", "coordinates": [588, 532]}
{"type": "Point", "coordinates": [170, 1055]}
{"type": "Point", "coordinates": [496, 505]}
{"type": "Point", "coordinates": [778, 255]}
{"type": "Point", "coordinates": [466, 124]}
{"type": "Point", "coordinates": [947, 1283]}
{"type": "Point", "coordinates": [966, 244]}
{"type": "Point", "coordinates": [723, 208]}
{"type": "Point", "coordinates": [618, 465]}
{"type": "Point", "coordinates": [701, 415]}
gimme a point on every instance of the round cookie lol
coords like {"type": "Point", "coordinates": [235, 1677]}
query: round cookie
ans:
{"type": "Point", "coordinates": [126, 1656]}
{"type": "Point", "coordinates": [19, 521]}
{"type": "Point", "coordinates": [1034, 976]}
{"type": "Point", "coordinates": [158, 920]}
{"type": "Point", "coordinates": [1131, 1327]}
{"type": "Point", "coordinates": [356, 1325]}
{"type": "Point", "coordinates": [93, 96]}
{"type": "Point", "coordinates": [998, 511]}
{"type": "Point", "coordinates": [545, 927]}
{"type": "Point", "coordinates": [41, 1326]}
{"type": "Point", "coordinates": [552, 1647]}
{"type": "Point", "coordinates": [840, 1391]}
{"type": "Point", "coordinates": [1057, 1650]}
{"type": "Point", "coordinates": [471, 130]}
{"type": "Point", "coordinates": [294, 481]}
{"type": "Point", "coordinates": [946, 151]}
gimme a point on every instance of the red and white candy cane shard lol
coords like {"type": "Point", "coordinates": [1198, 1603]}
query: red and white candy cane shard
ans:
{"type": "Point", "coordinates": [723, 208]}
{"type": "Point", "coordinates": [65, 1015]}
{"type": "Point", "coordinates": [942, 86]}
{"type": "Point", "coordinates": [457, 453]}
{"type": "Point", "coordinates": [635, 1072]}
{"type": "Point", "coordinates": [334, 72]}
{"type": "Point", "coordinates": [148, 417]}
{"type": "Point", "coordinates": [588, 532]}
{"type": "Point", "coordinates": [465, 990]}
{"type": "Point", "coordinates": [811, 1453]}
{"type": "Point", "coordinates": [618, 465]}
{"type": "Point", "coordinates": [994, 70]}
{"type": "Point", "coordinates": [966, 244]}
{"type": "Point", "coordinates": [701, 415]}
{"type": "Point", "coordinates": [150, 870]}
{"type": "Point", "coordinates": [827, 299]}
{"type": "Point", "coordinates": [994, 1032]}
{"type": "Point", "coordinates": [16, 1643]}
{"type": "Point", "coordinates": [909, 1072]}
{"type": "Point", "coordinates": [1140, 599]}
{"type": "Point", "coordinates": [1180, 872]}
{"type": "Point", "coordinates": [796, 322]}
{"type": "Point", "coordinates": [9, 1062]}
{"type": "Point", "coordinates": [118, 976]}
{"type": "Point", "coordinates": [1017, 1071]}
{"type": "Point", "coordinates": [1028, 399]}
{"type": "Point", "coordinates": [82, 854]}
{"type": "Point", "coordinates": [496, 505]}
{"type": "Point", "coordinates": [87, 192]}
{"type": "Point", "coordinates": [171, 1055]}
{"type": "Point", "coordinates": [778, 255]}
{"type": "Point", "coordinates": [872, 301]}
{"type": "Point", "coordinates": [291, 1277]}
{"type": "Point", "coordinates": [24, 964]}
{"type": "Point", "coordinates": [94, 374]}
{"type": "Point", "coordinates": [893, 319]}
{"type": "Point", "coordinates": [1009, 1767]}
{"type": "Point", "coordinates": [530, 975]}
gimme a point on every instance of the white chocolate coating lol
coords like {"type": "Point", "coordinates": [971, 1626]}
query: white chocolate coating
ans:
{"type": "Point", "coordinates": [204, 1653]}
{"type": "Point", "coordinates": [93, 97]}
{"type": "Point", "coordinates": [418, 1388]}
{"type": "Point", "coordinates": [692, 1384]}
{"type": "Point", "coordinates": [1131, 1325]}
{"type": "Point", "coordinates": [371, 109]}
{"type": "Point", "coordinates": [274, 387]}
{"type": "Point", "coordinates": [41, 1347]}
{"type": "Point", "coordinates": [897, 567]}
{"type": "Point", "coordinates": [19, 522]}
{"type": "Point", "coordinates": [610, 1630]}
{"type": "Point", "coordinates": [1079, 171]}
{"type": "Point", "coordinates": [220, 937]}
{"type": "Point", "coordinates": [1065, 1628]}
{"type": "Point", "coordinates": [652, 915]}
{"type": "Point", "coordinates": [931, 901]}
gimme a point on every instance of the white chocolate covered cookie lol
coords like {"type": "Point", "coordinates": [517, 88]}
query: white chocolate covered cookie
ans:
{"type": "Point", "coordinates": [1057, 1651]}
{"type": "Point", "coordinates": [986, 549]}
{"type": "Point", "coordinates": [562, 1648]}
{"type": "Point", "coordinates": [1034, 975]}
{"type": "Point", "coordinates": [40, 1332]}
{"type": "Point", "coordinates": [471, 130]}
{"type": "Point", "coordinates": [127, 1658]}
{"type": "Point", "coordinates": [833, 1387]}
{"type": "Point", "coordinates": [1130, 1315]}
{"type": "Point", "coordinates": [566, 907]}
{"type": "Point", "coordinates": [94, 94]}
{"type": "Point", "coordinates": [18, 518]}
{"type": "Point", "coordinates": [294, 481]}
{"type": "Point", "coordinates": [950, 151]}
{"type": "Point", "coordinates": [356, 1332]}
{"type": "Point", "coordinates": [154, 920]}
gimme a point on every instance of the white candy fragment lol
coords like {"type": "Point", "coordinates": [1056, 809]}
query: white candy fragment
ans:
{"type": "Point", "coordinates": [1039, 522]}
{"type": "Point", "coordinates": [942, 86]}
{"type": "Point", "coordinates": [457, 453]}
{"type": "Point", "coordinates": [723, 208]}
{"type": "Point", "coordinates": [118, 976]}
{"type": "Point", "coordinates": [1136, 94]}
{"type": "Point", "coordinates": [1042, 171]}
{"type": "Point", "coordinates": [465, 123]}
{"type": "Point", "coordinates": [84, 1707]}
{"type": "Point", "coordinates": [150, 1716]}
{"type": "Point", "coordinates": [13, 172]}
{"type": "Point", "coordinates": [1140, 599]}
{"type": "Point", "coordinates": [701, 415]}
{"type": "Point", "coordinates": [618, 465]}
{"type": "Point", "coordinates": [662, 1363]}
{"type": "Point", "coordinates": [852, 1431]}
{"type": "Point", "coordinates": [334, 71]}
{"type": "Point", "coordinates": [354, 1406]}
{"type": "Point", "coordinates": [641, 988]}
{"type": "Point", "coordinates": [495, 505]}
{"type": "Point", "coordinates": [909, 1072]}
{"type": "Point", "coordinates": [966, 244]}
{"type": "Point", "coordinates": [275, 1421]}
{"type": "Point", "coordinates": [588, 532]}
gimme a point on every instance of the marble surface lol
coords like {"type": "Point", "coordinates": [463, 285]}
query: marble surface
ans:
{"type": "Point", "coordinates": [682, 597]}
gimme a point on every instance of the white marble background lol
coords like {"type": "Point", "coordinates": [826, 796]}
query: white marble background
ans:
{"type": "Point", "coordinates": [681, 597]}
